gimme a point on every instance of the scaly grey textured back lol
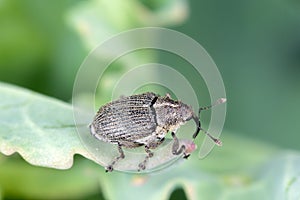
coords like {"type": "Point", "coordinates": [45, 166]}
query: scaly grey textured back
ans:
{"type": "Point", "coordinates": [126, 119]}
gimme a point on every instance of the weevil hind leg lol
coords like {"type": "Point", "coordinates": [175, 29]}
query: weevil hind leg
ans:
{"type": "Point", "coordinates": [176, 150]}
{"type": "Point", "coordinates": [110, 168]}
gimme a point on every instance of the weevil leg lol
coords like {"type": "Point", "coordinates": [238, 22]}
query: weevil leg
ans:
{"type": "Point", "coordinates": [142, 165]}
{"type": "Point", "coordinates": [110, 168]}
{"type": "Point", "coordinates": [152, 144]}
{"type": "Point", "coordinates": [175, 148]}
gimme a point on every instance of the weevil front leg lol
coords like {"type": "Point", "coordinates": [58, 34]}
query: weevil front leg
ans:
{"type": "Point", "coordinates": [110, 168]}
{"type": "Point", "coordinates": [175, 148]}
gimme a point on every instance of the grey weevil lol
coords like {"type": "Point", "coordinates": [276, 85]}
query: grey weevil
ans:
{"type": "Point", "coordinates": [144, 120]}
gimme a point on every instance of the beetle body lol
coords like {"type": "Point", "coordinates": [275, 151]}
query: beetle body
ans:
{"type": "Point", "coordinates": [125, 121]}
{"type": "Point", "coordinates": [135, 120]}
{"type": "Point", "coordinates": [141, 120]}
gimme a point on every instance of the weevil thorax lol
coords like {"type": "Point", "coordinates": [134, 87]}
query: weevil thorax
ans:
{"type": "Point", "coordinates": [170, 114]}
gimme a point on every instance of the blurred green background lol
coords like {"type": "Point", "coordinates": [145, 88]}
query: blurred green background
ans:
{"type": "Point", "coordinates": [255, 44]}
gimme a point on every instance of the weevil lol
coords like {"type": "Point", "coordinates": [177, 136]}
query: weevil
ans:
{"type": "Point", "coordinates": [144, 120]}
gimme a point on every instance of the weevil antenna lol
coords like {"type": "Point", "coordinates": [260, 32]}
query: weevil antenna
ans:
{"type": "Point", "coordinates": [219, 101]}
{"type": "Point", "coordinates": [216, 141]}
{"type": "Point", "coordinates": [198, 123]}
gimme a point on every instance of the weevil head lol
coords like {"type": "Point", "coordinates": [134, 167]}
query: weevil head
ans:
{"type": "Point", "coordinates": [185, 112]}
{"type": "Point", "coordinates": [171, 112]}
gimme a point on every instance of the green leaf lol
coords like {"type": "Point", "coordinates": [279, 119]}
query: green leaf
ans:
{"type": "Point", "coordinates": [229, 172]}
{"type": "Point", "coordinates": [39, 128]}
{"type": "Point", "coordinates": [242, 169]}
{"type": "Point", "coordinates": [42, 131]}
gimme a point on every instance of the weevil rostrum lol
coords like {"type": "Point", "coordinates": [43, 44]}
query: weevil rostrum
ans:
{"type": "Point", "coordinates": [144, 120]}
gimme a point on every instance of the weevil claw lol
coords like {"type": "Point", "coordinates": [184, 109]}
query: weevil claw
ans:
{"type": "Point", "coordinates": [186, 156]}
{"type": "Point", "coordinates": [109, 168]}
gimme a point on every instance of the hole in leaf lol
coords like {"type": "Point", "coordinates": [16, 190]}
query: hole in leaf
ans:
{"type": "Point", "coordinates": [178, 194]}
